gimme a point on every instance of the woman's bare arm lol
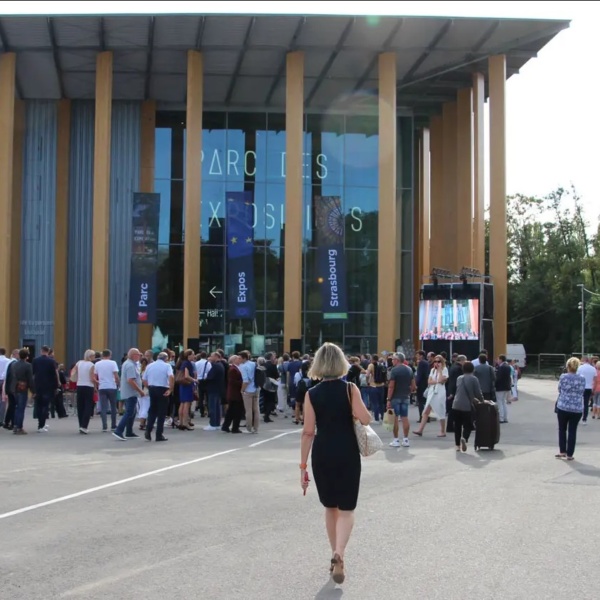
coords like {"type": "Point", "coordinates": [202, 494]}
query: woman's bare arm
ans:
{"type": "Point", "coordinates": [359, 410]}
{"type": "Point", "coordinates": [308, 431]}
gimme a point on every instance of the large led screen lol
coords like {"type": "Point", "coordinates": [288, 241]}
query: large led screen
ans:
{"type": "Point", "coordinates": [449, 320]}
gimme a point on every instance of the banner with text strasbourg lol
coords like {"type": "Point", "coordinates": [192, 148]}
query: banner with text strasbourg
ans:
{"type": "Point", "coordinates": [331, 268]}
{"type": "Point", "coordinates": [143, 280]}
{"type": "Point", "coordinates": [240, 255]}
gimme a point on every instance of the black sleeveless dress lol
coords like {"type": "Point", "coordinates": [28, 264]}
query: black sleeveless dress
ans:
{"type": "Point", "coordinates": [335, 455]}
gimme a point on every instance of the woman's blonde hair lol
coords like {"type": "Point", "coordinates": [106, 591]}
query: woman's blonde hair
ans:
{"type": "Point", "coordinates": [573, 364]}
{"type": "Point", "coordinates": [89, 355]}
{"type": "Point", "coordinates": [329, 362]}
{"type": "Point", "coordinates": [441, 359]}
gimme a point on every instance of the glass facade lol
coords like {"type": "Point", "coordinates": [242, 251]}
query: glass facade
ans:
{"type": "Point", "coordinates": [246, 152]}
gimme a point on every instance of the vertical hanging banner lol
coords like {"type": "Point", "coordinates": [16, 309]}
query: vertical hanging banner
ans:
{"type": "Point", "coordinates": [143, 280]}
{"type": "Point", "coordinates": [240, 255]}
{"type": "Point", "coordinates": [331, 260]}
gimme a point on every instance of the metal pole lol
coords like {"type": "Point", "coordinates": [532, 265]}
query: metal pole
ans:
{"type": "Point", "coordinates": [582, 286]}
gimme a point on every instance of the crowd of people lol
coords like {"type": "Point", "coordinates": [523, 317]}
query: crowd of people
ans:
{"type": "Point", "coordinates": [578, 391]}
{"type": "Point", "coordinates": [235, 392]}
{"type": "Point", "coordinates": [327, 394]}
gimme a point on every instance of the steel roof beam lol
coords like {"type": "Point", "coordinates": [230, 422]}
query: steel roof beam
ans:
{"type": "Point", "coordinates": [385, 48]}
{"type": "Point", "coordinates": [338, 48]}
{"type": "Point", "coordinates": [487, 34]}
{"type": "Point", "coordinates": [504, 49]}
{"type": "Point", "coordinates": [281, 71]}
{"type": "Point", "coordinates": [200, 33]}
{"type": "Point", "coordinates": [59, 74]}
{"type": "Point", "coordinates": [240, 61]}
{"type": "Point", "coordinates": [102, 35]}
{"type": "Point", "coordinates": [439, 36]}
{"type": "Point", "coordinates": [149, 58]}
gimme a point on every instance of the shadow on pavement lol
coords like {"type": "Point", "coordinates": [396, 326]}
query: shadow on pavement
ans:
{"type": "Point", "coordinates": [397, 455]}
{"type": "Point", "coordinates": [480, 459]}
{"type": "Point", "coordinates": [583, 469]}
{"type": "Point", "coordinates": [329, 592]}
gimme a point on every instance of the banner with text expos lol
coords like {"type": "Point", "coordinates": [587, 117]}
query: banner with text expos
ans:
{"type": "Point", "coordinates": [240, 255]}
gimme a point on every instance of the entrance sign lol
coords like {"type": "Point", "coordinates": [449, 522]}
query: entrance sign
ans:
{"type": "Point", "coordinates": [240, 255]}
{"type": "Point", "coordinates": [143, 280]}
{"type": "Point", "coordinates": [331, 267]}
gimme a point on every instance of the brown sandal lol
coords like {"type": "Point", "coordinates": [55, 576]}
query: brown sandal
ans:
{"type": "Point", "coordinates": [337, 569]}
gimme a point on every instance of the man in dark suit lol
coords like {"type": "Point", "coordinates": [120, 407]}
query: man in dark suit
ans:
{"type": "Point", "coordinates": [422, 380]}
{"type": "Point", "coordinates": [215, 386]}
{"type": "Point", "coordinates": [47, 385]}
{"type": "Point", "coordinates": [235, 401]}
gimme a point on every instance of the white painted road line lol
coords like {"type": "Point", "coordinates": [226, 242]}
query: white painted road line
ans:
{"type": "Point", "coordinates": [99, 488]}
{"type": "Point", "coordinates": [273, 438]}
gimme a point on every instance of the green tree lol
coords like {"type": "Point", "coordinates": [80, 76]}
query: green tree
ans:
{"type": "Point", "coordinates": [550, 252]}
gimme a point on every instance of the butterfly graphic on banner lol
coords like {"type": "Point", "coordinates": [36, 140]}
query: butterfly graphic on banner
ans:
{"type": "Point", "coordinates": [329, 220]}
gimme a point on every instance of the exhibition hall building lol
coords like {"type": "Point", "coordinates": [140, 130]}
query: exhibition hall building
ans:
{"type": "Point", "coordinates": [266, 182]}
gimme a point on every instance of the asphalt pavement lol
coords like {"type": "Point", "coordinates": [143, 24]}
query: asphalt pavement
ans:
{"type": "Point", "coordinates": [215, 516]}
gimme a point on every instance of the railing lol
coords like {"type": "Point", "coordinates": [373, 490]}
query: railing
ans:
{"type": "Point", "coordinates": [589, 354]}
{"type": "Point", "coordinates": [545, 365]}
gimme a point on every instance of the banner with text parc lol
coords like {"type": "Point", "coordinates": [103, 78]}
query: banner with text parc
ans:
{"type": "Point", "coordinates": [331, 269]}
{"type": "Point", "coordinates": [240, 255]}
{"type": "Point", "coordinates": [143, 280]}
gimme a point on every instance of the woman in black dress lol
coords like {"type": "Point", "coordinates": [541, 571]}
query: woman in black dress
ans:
{"type": "Point", "coordinates": [329, 408]}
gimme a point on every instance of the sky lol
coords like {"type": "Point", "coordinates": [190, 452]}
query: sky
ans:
{"type": "Point", "coordinates": [553, 119]}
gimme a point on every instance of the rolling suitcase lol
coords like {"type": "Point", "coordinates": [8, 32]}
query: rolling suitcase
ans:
{"type": "Point", "coordinates": [487, 420]}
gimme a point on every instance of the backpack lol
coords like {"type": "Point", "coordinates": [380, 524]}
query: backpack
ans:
{"type": "Point", "coordinates": [260, 376]}
{"type": "Point", "coordinates": [380, 373]}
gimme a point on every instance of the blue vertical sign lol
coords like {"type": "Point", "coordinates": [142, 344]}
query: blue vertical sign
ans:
{"type": "Point", "coordinates": [331, 269]}
{"type": "Point", "coordinates": [143, 279]}
{"type": "Point", "coordinates": [240, 255]}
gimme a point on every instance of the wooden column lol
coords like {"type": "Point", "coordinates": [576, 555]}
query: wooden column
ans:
{"type": "Point", "coordinates": [7, 139]}
{"type": "Point", "coordinates": [450, 197]}
{"type": "Point", "coordinates": [147, 141]}
{"type": "Point", "coordinates": [63, 148]}
{"type": "Point", "coordinates": [389, 265]}
{"type": "Point", "coordinates": [193, 196]}
{"type": "Point", "coordinates": [463, 216]}
{"type": "Point", "coordinates": [294, 147]}
{"type": "Point", "coordinates": [498, 252]}
{"type": "Point", "coordinates": [437, 227]}
{"type": "Point", "coordinates": [101, 213]}
{"type": "Point", "coordinates": [478, 261]}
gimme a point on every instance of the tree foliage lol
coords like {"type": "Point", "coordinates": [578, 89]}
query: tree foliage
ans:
{"type": "Point", "coordinates": [550, 252]}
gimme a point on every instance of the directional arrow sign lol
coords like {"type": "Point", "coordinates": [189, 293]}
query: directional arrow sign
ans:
{"type": "Point", "coordinates": [215, 291]}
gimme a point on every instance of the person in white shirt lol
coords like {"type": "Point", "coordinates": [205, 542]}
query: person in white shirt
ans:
{"type": "Point", "coordinates": [203, 367]}
{"type": "Point", "coordinates": [106, 373]}
{"type": "Point", "coordinates": [158, 376]}
{"type": "Point", "coordinates": [83, 374]}
{"type": "Point", "coordinates": [588, 372]}
{"type": "Point", "coordinates": [475, 362]}
{"type": "Point", "coordinates": [4, 362]}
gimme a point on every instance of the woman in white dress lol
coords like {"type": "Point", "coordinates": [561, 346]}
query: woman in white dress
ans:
{"type": "Point", "coordinates": [436, 396]}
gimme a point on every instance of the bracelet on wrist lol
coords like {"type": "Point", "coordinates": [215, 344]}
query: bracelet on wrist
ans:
{"type": "Point", "coordinates": [303, 466]}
